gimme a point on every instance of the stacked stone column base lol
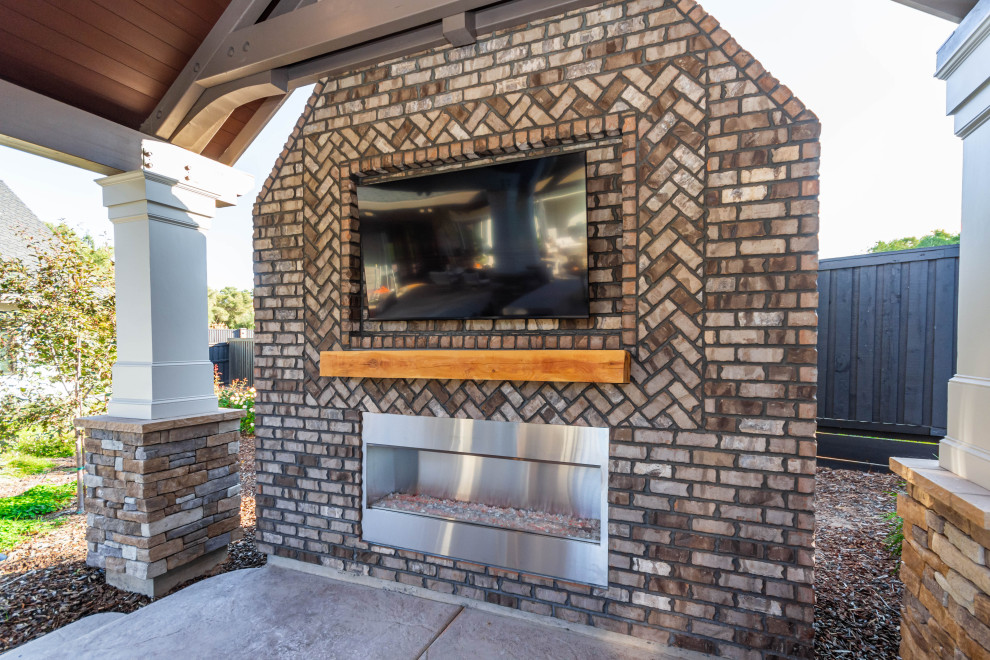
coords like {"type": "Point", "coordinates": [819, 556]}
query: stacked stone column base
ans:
{"type": "Point", "coordinates": [945, 564]}
{"type": "Point", "coordinates": [162, 497]}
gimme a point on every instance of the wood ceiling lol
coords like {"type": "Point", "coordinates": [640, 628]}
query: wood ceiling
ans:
{"type": "Point", "coordinates": [111, 58]}
{"type": "Point", "coordinates": [207, 75]}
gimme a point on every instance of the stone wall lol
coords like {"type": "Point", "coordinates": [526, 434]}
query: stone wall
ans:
{"type": "Point", "coordinates": [162, 497]}
{"type": "Point", "coordinates": [703, 184]}
{"type": "Point", "coordinates": [944, 564]}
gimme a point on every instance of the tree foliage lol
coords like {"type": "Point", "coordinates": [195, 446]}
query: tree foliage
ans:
{"type": "Point", "coordinates": [936, 238]}
{"type": "Point", "coordinates": [231, 307]}
{"type": "Point", "coordinates": [60, 336]}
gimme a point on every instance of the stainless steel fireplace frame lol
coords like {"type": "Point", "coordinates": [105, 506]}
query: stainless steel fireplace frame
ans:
{"type": "Point", "coordinates": [551, 464]}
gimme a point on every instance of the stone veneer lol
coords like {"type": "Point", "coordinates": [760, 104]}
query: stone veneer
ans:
{"type": "Point", "coordinates": [162, 497]}
{"type": "Point", "coordinates": [944, 563]}
{"type": "Point", "coordinates": [702, 198]}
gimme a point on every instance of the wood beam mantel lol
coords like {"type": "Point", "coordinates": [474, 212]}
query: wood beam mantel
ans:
{"type": "Point", "coordinates": [561, 366]}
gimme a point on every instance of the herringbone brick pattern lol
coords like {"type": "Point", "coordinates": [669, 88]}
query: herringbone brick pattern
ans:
{"type": "Point", "coordinates": [702, 185]}
{"type": "Point", "coordinates": [669, 236]}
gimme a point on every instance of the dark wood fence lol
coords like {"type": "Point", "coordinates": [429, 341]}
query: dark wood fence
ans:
{"type": "Point", "coordinates": [887, 340]}
{"type": "Point", "coordinates": [221, 335]}
{"type": "Point", "coordinates": [234, 359]}
{"type": "Point", "coordinates": [242, 359]}
{"type": "Point", "coordinates": [220, 357]}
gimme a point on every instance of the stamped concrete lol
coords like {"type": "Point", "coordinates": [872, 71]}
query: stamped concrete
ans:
{"type": "Point", "coordinates": [266, 613]}
{"type": "Point", "coordinates": [475, 634]}
{"type": "Point", "coordinates": [275, 612]}
{"type": "Point", "coordinates": [56, 642]}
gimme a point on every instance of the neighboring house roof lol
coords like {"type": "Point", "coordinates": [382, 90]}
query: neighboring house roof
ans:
{"type": "Point", "coordinates": [18, 225]}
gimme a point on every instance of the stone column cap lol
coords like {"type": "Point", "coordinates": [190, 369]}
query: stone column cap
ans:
{"type": "Point", "coordinates": [947, 490]}
{"type": "Point", "coordinates": [131, 425]}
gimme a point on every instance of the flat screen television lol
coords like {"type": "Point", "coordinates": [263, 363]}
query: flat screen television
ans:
{"type": "Point", "coordinates": [503, 241]}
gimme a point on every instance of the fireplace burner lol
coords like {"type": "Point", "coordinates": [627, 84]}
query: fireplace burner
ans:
{"type": "Point", "coordinates": [527, 497]}
{"type": "Point", "coordinates": [523, 520]}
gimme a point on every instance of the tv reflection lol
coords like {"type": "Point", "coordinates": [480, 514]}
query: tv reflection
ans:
{"type": "Point", "coordinates": [509, 240]}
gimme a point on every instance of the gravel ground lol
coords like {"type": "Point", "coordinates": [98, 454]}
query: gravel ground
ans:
{"type": "Point", "coordinates": [858, 608]}
{"type": "Point", "coordinates": [45, 583]}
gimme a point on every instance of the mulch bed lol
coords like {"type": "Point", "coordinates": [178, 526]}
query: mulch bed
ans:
{"type": "Point", "coordinates": [858, 608]}
{"type": "Point", "coordinates": [45, 583]}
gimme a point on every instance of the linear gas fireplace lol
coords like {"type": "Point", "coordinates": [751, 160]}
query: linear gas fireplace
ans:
{"type": "Point", "coordinates": [527, 497]}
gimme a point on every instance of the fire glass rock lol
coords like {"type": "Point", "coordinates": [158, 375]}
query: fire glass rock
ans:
{"type": "Point", "coordinates": [523, 520]}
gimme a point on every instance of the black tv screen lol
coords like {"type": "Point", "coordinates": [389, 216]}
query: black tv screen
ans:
{"type": "Point", "coordinates": [508, 240]}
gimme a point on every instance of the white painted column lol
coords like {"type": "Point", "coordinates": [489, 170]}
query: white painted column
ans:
{"type": "Point", "coordinates": [160, 216]}
{"type": "Point", "coordinates": [964, 63]}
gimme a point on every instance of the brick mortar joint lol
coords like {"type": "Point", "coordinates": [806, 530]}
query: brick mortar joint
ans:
{"type": "Point", "coordinates": [285, 405]}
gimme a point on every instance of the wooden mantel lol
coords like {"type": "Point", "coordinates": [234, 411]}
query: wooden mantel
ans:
{"type": "Point", "coordinates": [566, 366]}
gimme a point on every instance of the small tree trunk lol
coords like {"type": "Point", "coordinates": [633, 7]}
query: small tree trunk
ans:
{"type": "Point", "coordinates": [80, 464]}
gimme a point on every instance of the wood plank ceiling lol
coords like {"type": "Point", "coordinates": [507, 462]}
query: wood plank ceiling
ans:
{"type": "Point", "coordinates": [125, 60]}
{"type": "Point", "coordinates": [112, 58]}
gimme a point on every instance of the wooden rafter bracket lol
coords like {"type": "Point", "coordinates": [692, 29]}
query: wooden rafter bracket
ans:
{"type": "Point", "coordinates": [298, 42]}
{"type": "Point", "coordinates": [561, 366]}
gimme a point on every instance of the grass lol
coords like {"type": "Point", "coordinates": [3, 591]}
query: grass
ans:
{"type": "Point", "coordinates": [32, 452]}
{"type": "Point", "coordinates": [15, 532]}
{"type": "Point", "coordinates": [25, 465]}
{"type": "Point", "coordinates": [22, 516]}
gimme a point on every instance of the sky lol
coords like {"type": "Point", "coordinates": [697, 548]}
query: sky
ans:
{"type": "Point", "coordinates": [891, 166]}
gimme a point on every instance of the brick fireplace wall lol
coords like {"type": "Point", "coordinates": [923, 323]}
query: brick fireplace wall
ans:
{"type": "Point", "coordinates": [702, 198]}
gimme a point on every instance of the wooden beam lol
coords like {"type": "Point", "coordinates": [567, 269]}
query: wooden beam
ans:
{"type": "Point", "coordinates": [519, 12]}
{"type": "Point", "coordinates": [214, 106]}
{"type": "Point", "coordinates": [224, 183]}
{"type": "Point", "coordinates": [207, 102]}
{"type": "Point", "coordinates": [40, 125]}
{"type": "Point", "coordinates": [251, 129]}
{"type": "Point", "coordinates": [950, 10]}
{"type": "Point", "coordinates": [459, 29]}
{"type": "Point", "coordinates": [287, 6]}
{"type": "Point", "coordinates": [413, 41]}
{"type": "Point", "coordinates": [561, 366]}
{"type": "Point", "coordinates": [321, 28]}
{"type": "Point", "coordinates": [51, 129]}
{"type": "Point", "coordinates": [184, 92]}
{"type": "Point", "coordinates": [486, 20]}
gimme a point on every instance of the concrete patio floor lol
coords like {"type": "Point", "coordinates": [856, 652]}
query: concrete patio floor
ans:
{"type": "Point", "coordinates": [275, 612]}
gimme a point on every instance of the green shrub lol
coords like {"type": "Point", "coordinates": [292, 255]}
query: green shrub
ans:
{"type": "Point", "coordinates": [21, 515]}
{"type": "Point", "coordinates": [34, 442]}
{"type": "Point", "coordinates": [236, 395]}
{"type": "Point", "coordinates": [40, 423]}
{"type": "Point", "coordinates": [36, 502]}
{"type": "Point", "coordinates": [894, 541]}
